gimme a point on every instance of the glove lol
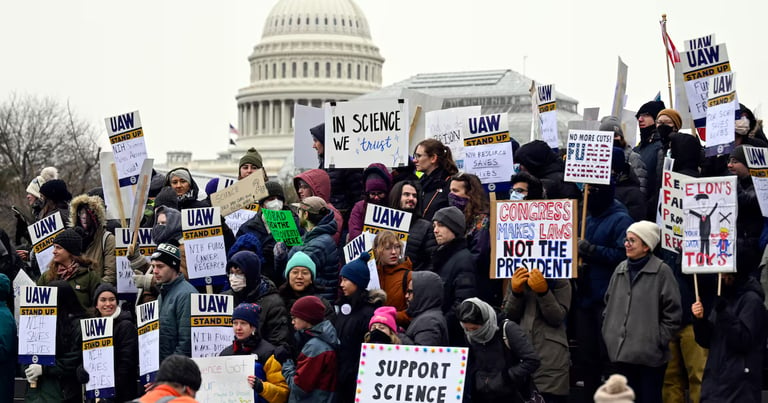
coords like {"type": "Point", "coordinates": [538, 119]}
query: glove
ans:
{"type": "Point", "coordinates": [82, 375]}
{"type": "Point", "coordinates": [519, 279]}
{"type": "Point", "coordinates": [586, 249]}
{"type": "Point", "coordinates": [537, 282]}
{"type": "Point", "coordinates": [33, 372]}
{"type": "Point", "coordinates": [143, 281]}
{"type": "Point", "coordinates": [280, 251]}
{"type": "Point", "coordinates": [258, 385]}
{"type": "Point", "coordinates": [281, 355]}
{"type": "Point", "coordinates": [136, 260]}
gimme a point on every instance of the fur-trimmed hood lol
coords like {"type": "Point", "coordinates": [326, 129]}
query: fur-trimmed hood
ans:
{"type": "Point", "coordinates": [94, 203]}
{"type": "Point", "coordinates": [377, 297]}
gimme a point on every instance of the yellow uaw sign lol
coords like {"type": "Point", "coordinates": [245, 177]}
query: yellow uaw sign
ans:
{"type": "Point", "coordinates": [403, 236]}
{"type": "Point", "coordinates": [45, 243]}
{"type": "Point", "coordinates": [548, 107]}
{"type": "Point", "coordinates": [98, 343]}
{"type": "Point", "coordinates": [489, 139]}
{"type": "Point", "coordinates": [722, 99]}
{"type": "Point", "coordinates": [707, 71]}
{"type": "Point", "coordinates": [37, 311]}
{"type": "Point", "coordinates": [133, 134]}
{"type": "Point", "coordinates": [211, 321]}
{"type": "Point", "coordinates": [202, 233]}
{"type": "Point", "coordinates": [149, 327]}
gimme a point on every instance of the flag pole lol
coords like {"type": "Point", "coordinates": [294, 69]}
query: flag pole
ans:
{"type": "Point", "coordinates": [666, 57]}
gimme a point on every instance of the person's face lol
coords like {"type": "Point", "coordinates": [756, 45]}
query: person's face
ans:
{"type": "Point", "coordinates": [737, 168]}
{"type": "Point", "coordinates": [635, 247]}
{"type": "Point", "coordinates": [459, 188]}
{"type": "Point", "coordinates": [408, 198]}
{"type": "Point", "coordinates": [665, 120]}
{"type": "Point", "coordinates": [376, 196]}
{"type": "Point", "coordinates": [645, 120]}
{"type": "Point", "coordinates": [521, 187]}
{"type": "Point", "coordinates": [61, 255]}
{"type": "Point", "coordinates": [303, 217]}
{"type": "Point", "coordinates": [179, 185]}
{"type": "Point", "coordinates": [31, 199]}
{"type": "Point", "coordinates": [618, 141]}
{"type": "Point", "coordinates": [242, 329]}
{"type": "Point", "coordinates": [424, 163]}
{"type": "Point", "coordinates": [347, 287]}
{"type": "Point", "coordinates": [729, 279]}
{"type": "Point", "coordinates": [381, 327]}
{"type": "Point", "coordinates": [299, 278]}
{"type": "Point", "coordinates": [317, 145]}
{"type": "Point", "coordinates": [82, 217]}
{"type": "Point", "coordinates": [300, 324]}
{"type": "Point", "coordinates": [106, 304]}
{"type": "Point", "coordinates": [246, 170]}
{"type": "Point", "coordinates": [409, 292]}
{"type": "Point", "coordinates": [304, 190]}
{"type": "Point", "coordinates": [470, 327]}
{"type": "Point", "coordinates": [443, 234]}
{"type": "Point", "coordinates": [162, 219]}
{"type": "Point", "coordinates": [391, 255]}
{"type": "Point", "coordinates": [163, 273]}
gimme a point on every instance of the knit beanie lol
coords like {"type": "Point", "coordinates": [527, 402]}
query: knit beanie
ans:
{"type": "Point", "coordinates": [357, 271]}
{"type": "Point", "coordinates": [167, 197]}
{"type": "Point", "coordinates": [652, 108]}
{"type": "Point", "coordinates": [738, 154]}
{"type": "Point", "coordinates": [56, 191]}
{"type": "Point", "coordinates": [375, 183]}
{"type": "Point", "coordinates": [301, 259]}
{"type": "Point", "coordinates": [168, 254]}
{"type": "Point", "coordinates": [211, 186]}
{"type": "Point", "coordinates": [611, 124]}
{"type": "Point", "coordinates": [102, 288]}
{"type": "Point", "coordinates": [615, 390]}
{"type": "Point", "coordinates": [318, 132]}
{"type": "Point", "coordinates": [71, 239]}
{"type": "Point", "coordinates": [385, 315]}
{"type": "Point", "coordinates": [647, 231]}
{"type": "Point", "coordinates": [452, 218]}
{"type": "Point", "coordinates": [252, 157]}
{"type": "Point", "coordinates": [47, 174]}
{"type": "Point", "coordinates": [247, 312]}
{"type": "Point", "coordinates": [274, 189]}
{"type": "Point", "coordinates": [672, 114]}
{"type": "Point", "coordinates": [309, 309]}
{"type": "Point", "coordinates": [535, 156]}
{"type": "Point", "coordinates": [182, 173]}
{"type": "Point", "coordinates": [181, 370]}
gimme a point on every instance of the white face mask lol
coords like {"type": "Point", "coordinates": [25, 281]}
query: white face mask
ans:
{"type": "Point", "coordinates": [516, 195]}
{"type": "Point", "coordinates": [742, 126]}
{"type": "Point", "coordinates": [237, 282]}
{"type": "Point", "coordinates": [276, 204]}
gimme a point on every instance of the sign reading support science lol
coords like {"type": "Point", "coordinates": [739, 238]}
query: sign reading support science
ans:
{"type": "Point", "coordinates": [757, 161]}
{"type": "Point", "coordinates": [127, 139]}
{"type": "Point", "coordinates": [709, 243]}
{"type": "Point", "coordinates": [225, 379]}
{"type": "Point", "coordinates": [211, 316]}
{"type": "Point", "coordinates": [99, 357]}
{"type": "Point", "coordinates": [123, 236]}
{"type": "Point", "coordinates": [449, 126]}
{"type": "Point", "coordinates": [721, 107]}
{"type": "Point", "coordinates": [400, 373]}
{"type": "Point", "coordinates": [148, 320]}
{"type": "Point", "coordinates": [43, 233]}
{"type": "Point", "coordinates": [547, 104]}
{"type": "Point", "coordinates": [361, 133]}
{"type": "Point", "coordinates": [487, 149]}
{"type": "Point", "coordinates": [588, 159]}
{"type": "Point", "coordinates": [37, 325]}
{"type": "Point", "coordinates": [204, 245]}
{"type": "Point", "coordinates": [535, 234]}
{"type": "Point", "coordinates": [379, 218]}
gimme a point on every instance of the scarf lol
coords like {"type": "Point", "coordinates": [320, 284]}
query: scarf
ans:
{"type": "Point", "coordinates": [485, 333]}
{"type": "Point", "coordinates": [66, 272]}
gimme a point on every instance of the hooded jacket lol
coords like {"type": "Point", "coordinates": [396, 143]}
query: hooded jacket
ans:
{"type": "Point", "coordinates": [428, 326]}
{"type": "Point", "coordinates": [539, 160]}
{"type": "Point", "coordinates": [320, 183]}
{"type": "Point", "coordinates": [312, 377]}
{"type": "Point", "coordinates": [455, 265]}
{"type": "Point", "coordinates": [101, 249]}
{"type": "Point", "coordinates": [319, 245]}
{"type": "Point", "coordinates": [393, 279]}
{"type": "Point", "coordinates": [175, 325]}
{"type": "Point", "coordinates": [188, 200]}
{"type": "Point", "coordinates": [8, 343]}
{"type": "Point", "coordinates": [357, 216]}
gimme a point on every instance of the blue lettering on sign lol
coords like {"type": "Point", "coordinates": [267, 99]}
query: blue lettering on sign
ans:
{"type": "Point", "coordinates": [147, 312]}
{"type": "Point", "coordinates": [212, 303]}
{"type": "Point", "coordinates": [702, 42]}
{"type": "Point", "coordinates": [484, 124]}
{"type": "Point", "coordinates": [545, 92]}
{"type": "Point", "coordinates": [121, 122]}
{"type": "Point", "coordinates": [356, 247]}
{"type": "Point", "coordinates": [722, 84]}
{"type": "Point", "coordinates": [95, 327]}
{"type": "Point", "coordinates": [376, 145]}
{"type": "Point", "coordinates": [38, 295]}
{"type": "Point", "coordinates": [755, 156]}
{"type": "Point", "coordinates": [198, 217]}
{"type": "Point", "coordinates": [45, 226]}
{"type": "Point", "coordinates": [705, 56]}
{"type": "Point", "coordinates": [387, 216]}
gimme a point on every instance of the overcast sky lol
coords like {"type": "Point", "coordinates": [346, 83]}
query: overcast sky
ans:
{"type": "Point", "coordinates": [180, 63]}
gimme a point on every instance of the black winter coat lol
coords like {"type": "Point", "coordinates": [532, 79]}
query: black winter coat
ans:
{"type": "Point", "coordinates": [456, 267]}
{"type": "Point", "coordinates": [421, 244]}
{"type": "Point", "coordinates": [274, 320]}
{"type": "Point", "coordinates": [434, 193]}
{"type": "Point", "coordinates": [126, 357]}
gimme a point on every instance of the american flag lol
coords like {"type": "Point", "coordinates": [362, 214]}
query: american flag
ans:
{"type": "Point", "coordinates": [672, 52]}
{"type": "Point", "coordinates": [233, 134]}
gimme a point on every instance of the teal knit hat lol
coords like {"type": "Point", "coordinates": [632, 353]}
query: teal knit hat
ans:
{"type": "Point", "coordinates": [303, 260]}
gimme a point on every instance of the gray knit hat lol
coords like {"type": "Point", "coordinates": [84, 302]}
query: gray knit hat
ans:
{"type": "Point", "coordinates": [452, 218]}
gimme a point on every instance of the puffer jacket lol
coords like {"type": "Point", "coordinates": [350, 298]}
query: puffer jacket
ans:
{"type": "Point", "coordinates": [101, 248]}
{"type": "Point", "coordinates": [188, 200]}
{"type": "Point", "coordinates": [434, 193]}
{"type": "Point", "coordinates": [266, 368]}
{"type": "Point", "coordinates": [394, 281]}
{"type": "Point", "coordinates": [428, 326]}
{"type": "Point", "coordinates": [637, 166]}
{"type": "Point", "coordinates": [357, 216]}
{"type": "Point", "coordinates": [420, 244]}
{"type": "Point", "coordinates": [318, 181]}
{"type": "Point", "coordinates": [312, 378]}
{"type": "Point", "coordinates": [175, 325]}
{"type": "Point", "coordinates": [455, 265]}
{"type": "Point", "coordinates": [321, 248]}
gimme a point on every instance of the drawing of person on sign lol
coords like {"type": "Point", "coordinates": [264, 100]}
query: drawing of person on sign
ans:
{"type": "Point", "coordinates": [724, 244]}
{"type": "Point", "coordinates": [705, 223]}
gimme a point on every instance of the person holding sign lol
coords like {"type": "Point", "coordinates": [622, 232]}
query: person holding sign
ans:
{"type": "Point", "coordinates": [435, 161]}
{"type": "Point", "coordinates": [748, 224]}
{"type": "Point", "coordinates": [316, 182]}
{"type": "Point", "coordinates": [421, 240]}
{"type": "Point", "coordinates": [300, 273]}
{"type": "Point", "coordinates": [425, 306]}
{"type": "Point", "coordinates": [393, 271]}
{"type": "Point", "coordinates": [88, 213]}
{"type": "Point", "coordinates": [378, 182]}
{"type": "Point", "coordinates": [58, 383]}
{"type": "Point", "coordinates": [185, 187]}
{"type": "Point", "coordinates": [251, 162]}
{"type": "Point", "coordinates": [8, 342]}
{"type": "Point", "coordinates": [70, 265]}
{"type": "Point", "coordinates": [268, 384]}
{"type": "Point", "coordinates": [642, 313]}
{"type": "Point", "coordinates": [174, 301]}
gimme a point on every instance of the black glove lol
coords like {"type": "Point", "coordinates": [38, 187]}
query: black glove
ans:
{"type": "Point", "coordinates": [586, 249]}
{"type": "Point", "coordinates": [281, 355]}
{"type": "Point", "coordinates": [82, 375]}
{"type": "Point", "coordinates": [258, 385]}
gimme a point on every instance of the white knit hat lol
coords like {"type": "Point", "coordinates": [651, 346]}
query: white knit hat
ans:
{"type": "Point", "coordinates": [615, 390]}
{"type": "Point", "coordinates": [647, 231]}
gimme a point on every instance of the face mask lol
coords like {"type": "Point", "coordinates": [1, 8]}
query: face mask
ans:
{"type": "Point", "coordinates": [742, 126]}
{"type": "Point", "coordinates": [379, 337]}
{"type": "Point", "coordinates": [276, 204]}
{"type": "Point", "coordinates": [516, 195]}
{"type": "Point", "coordinates": [237, 282]}
{"type": "Point", "coordinates": [159, 233]}
{"type": "Point", "coordinates": [457, 201]}
{"type": "Point", "coordinates": [664, 131]}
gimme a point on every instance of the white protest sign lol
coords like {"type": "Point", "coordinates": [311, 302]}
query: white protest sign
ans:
{"type": "Point", "coordinates": [362, 243]}
{"type": "Point", "coordinates": [204, 243]}
{"type": "Point", "coordinates": [21, 280]}
{"type": "Point", "coordinates": [99, 357]}
{"type": "Point", "coordinates": [236, 220]}
{"type": "Point", "coordinates": [671, 215]}
{"type": "Point", "coordinates": [244, 192]}
{"type": "Point", "coordinates": [535, 234]}
{"type": "Point", "coordinates": [487, 149]}
{"type": "Point", "coordinates": [620, 92]}
{"type": "Point", "coordinates": [588, 158]}
{"type": "Point", "coordinates": [401, 373]}
{"type": "Point", "coordinates": [148, 323]}
{"type": "Point", "coordinates": [142, 194]}
{"type": "Point", "coordinates": [43, 233]}
{"type": "Point", "coordinates": [211, 316]}
{"type": "Point", "coordinates": [112, 198]}
{"type": "Point", "coordinates": [37, 325]}
{"type": "Point", "coordinates": [448, 127]}
{"type": "Point", "coordinates": [758, 168]}
{"type": "Point", "coordinates": [360, 133]}
{"type": "Point", "coordinates": [709, 243]}
{"type": "Point", "coordinates": [721, 107]}
{"type": "Point", "coordinates": [127, 139]}
{"type": "Point", "coordinates": [304, 118]}
{"type": "Point", "coordinates": [379, 218]}
{"type": "Point", "coordinates": [547, 104]}
{"type": "Point", "coordinates": [145, 246]}
{"type": "Point", "coordinates": [225, 379]}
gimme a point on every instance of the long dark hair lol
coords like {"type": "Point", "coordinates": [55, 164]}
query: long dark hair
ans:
{"type": "Point", "coordinates": [445, 161]}
{"type": "Point", "coordinates": [478, 199]}
{"type": "Point", "coordinates": [397, 192]}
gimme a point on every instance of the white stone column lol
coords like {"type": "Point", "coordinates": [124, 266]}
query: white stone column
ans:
{"type": "Point", "coordinates": [285, 125]}
{"type": "Point", "coordinates": [270, 118]}
{"type": "Point", "coordinates": [240, 117]}
{"type": "Point", "coordinates": [245, 124]}
{"type": "Point", "coordinates": [262, 111]}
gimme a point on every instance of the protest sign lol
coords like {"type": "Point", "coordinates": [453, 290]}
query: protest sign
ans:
{"type": "Point", "coordinates": [487, 149]}
{"type": "Point", "coordinates": [304, 118]}
{"type": "Point", "coordinates": [758, 169]}
{"type": "Point", "coordinates": [43, 233]}
{"type": "Point", "coordinates": [535, 234]}
{"type": "Point", "coordinates": [283, 226]}
{"type": "Point", "coordinates": [144, 245]}
{"type": "Point", "coordinates": [389, 373]}
{"type": "Point", "coordinates": [671, 213]}
{"type": "Point", "coordinates": [127, 139]}
{"type": "Point", "coordinates": [620, 92]}
{"type": "Point", "coordinates": [204, 245]}
{"type": "Point", "coordinates": [148, 323]}
{"type": "Point", "coordinates": [99, 357]}
{"type": "Point", "coordinates": [449, 126]}
{"type": "Point", "coordinates": [236, 219]}
{"type": "Point", "coordinates": [361, 133]}
{"type": "Point", "coordinates": [379, 218]}
{"type": "Point", "coordinates": [211, 316]}
{"type": "Point", "coordinates": [588, 158]}
{"type": "Point", "coordinates": [118, 200]}
{"type": "Point", "coordinates": [225, 379]}
{"type": "Point", "coordinates": [362, 243]}
{"type": "Point", "coordinates": [709, 242]}
{"type": "Point", "coordinates": [721, 107]}
{"type": "Point", "coordinates": [37, 325]}
{"type": "Point", "coordinates": [141, 195]}
{"type": "Point", "coordinates": [21, 280]}
{"type": "Point", "coordinates": [244, 192]}
{"type": "Point", "coordinates": [547, 106]}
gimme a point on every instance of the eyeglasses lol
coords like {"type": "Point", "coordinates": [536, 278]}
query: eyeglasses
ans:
{"type": "Point", "coordinates": [376, 193]}
{"type": "Point", "coordinates": [630, 241]}
{"type": "Point", "coordinates": [520, 190]}
{"type": "Point", "coordinates": [417, 156]}
{"type": "Point", "coordinates": [409, 291]}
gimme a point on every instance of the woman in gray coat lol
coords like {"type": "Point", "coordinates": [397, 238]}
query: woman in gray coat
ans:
{"type": "Point", "coordinates": [424, 296]}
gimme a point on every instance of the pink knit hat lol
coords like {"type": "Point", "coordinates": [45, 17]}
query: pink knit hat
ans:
{"type": "Point", "coordinates": [385, 315]}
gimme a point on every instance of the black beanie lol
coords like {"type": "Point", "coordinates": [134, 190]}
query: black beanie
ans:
{"type": "Point", "coordinates": [181, 370]}
{"type": "Point", "coordinates": [168, 254]}
{"type": "Point", "coordinates": [652, 108]}
{"type": "Point", "coordinates": [318, 132]}
{"type": "Point", "coordinates": [274, 189]}
{"type": "Point", "coordinates": [56, 191]}
{"type": "Point", "coordinates": [167, 197]}
{"type": "Point", "coordinates": [71, 240]}
{"type": "Point", "coordinates": [102, 288]}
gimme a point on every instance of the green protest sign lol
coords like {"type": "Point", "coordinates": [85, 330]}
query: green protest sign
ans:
{"type": "Point", "coordinates": [283, 227]}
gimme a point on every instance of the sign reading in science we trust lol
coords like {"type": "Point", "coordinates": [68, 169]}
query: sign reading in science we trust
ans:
{"type": "Point", "coordinates": [487, 149]}
{"type": "Point", "coordinates": [148, 321]}
{"type": "Point", "coordinates": [127, 139]}
{"type": "Point", "coordinates": [146, 247]}
{"type": "Point", "coordinates": [211, 316]}
{"type": "Point", "coordinates": [37, 325]}
{"type": "Point", "coordinates": [204, 245]}
{"type": "Point", "coordinates": [98, 357]}
{"type": "Point", "coordinates": [43, 233]}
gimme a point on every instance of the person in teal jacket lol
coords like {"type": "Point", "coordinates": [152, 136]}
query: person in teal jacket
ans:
{"type": "Point", "coordinates": [174, 302]}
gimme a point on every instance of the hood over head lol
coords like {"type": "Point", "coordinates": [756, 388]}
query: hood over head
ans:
{"type": "Point", "coordinates": [427, 292]}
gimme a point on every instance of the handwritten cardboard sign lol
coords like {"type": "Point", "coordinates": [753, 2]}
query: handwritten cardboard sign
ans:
{"type": "Point", "coordinates": [244, 192]}
{"type": "Point", "coordinates": [148, 321]}
{"type": "Point", "coordinates": [588, 157]}
{"type": "Point", "coordinates": [98, 357]}
{"type": "Point", "coordinates": [283, 226]}
{"type": "Point", "coordinates": [204, 244]}
{"type": "Point", "coordinates": [37, 325]}
{"type": "Point", "coordinates": [225, 379]}
{"type": "Point", "coordinates": [43, 233]}
{"type": "Point", "coordinates": [211, 316]}
{"type": "Point", "coordinates": [146, 247]}
{"type": "Point", "coordinates": [449, 126]}
{"type": "Point", "coordinates": [487, 149]}
{"type": "Point", "coordinates": [127, 139]}
{"type": "Point", "coordinates": [709, 243]}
